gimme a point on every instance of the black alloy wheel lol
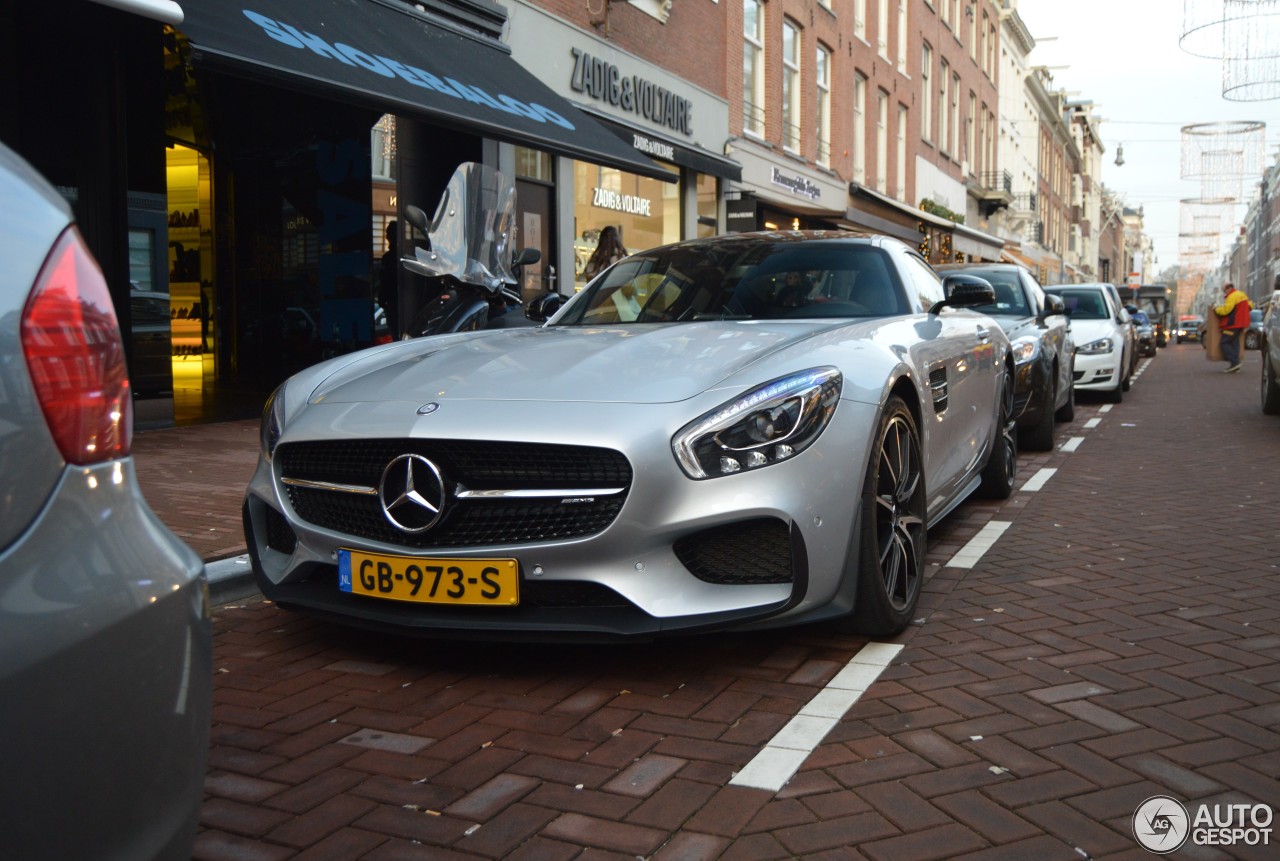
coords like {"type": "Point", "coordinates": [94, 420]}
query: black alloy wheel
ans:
{"type": "Point", "coordinates": [893, 536]}
{"type": "Point", "coordinates": [1039, 437]}
{"type": "Point", "coordinates": [1001, 471]}
{"type": "Point", "coordinates": [1270, 387]}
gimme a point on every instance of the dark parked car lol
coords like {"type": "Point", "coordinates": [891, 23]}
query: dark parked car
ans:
{"type": "Point", "coordinates": [1271, 357]}
{"type": "Point", "coordinates": [151, 368]}
{"type": "Point", "coordinates": [1042, 348]}
{"type": "Point", "coordinates": [1253, 335]}
{"type": "Point", "coordinates": [105, 644]}
{"type": "Point", "coordinates": [1146, 333]}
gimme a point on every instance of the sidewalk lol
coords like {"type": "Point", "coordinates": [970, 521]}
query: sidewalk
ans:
{"type": "Point", "coordinates": [195, 477]}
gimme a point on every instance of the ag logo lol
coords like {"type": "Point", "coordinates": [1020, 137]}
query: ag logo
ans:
{"type": "Point", "coordinates": [1161, 824]}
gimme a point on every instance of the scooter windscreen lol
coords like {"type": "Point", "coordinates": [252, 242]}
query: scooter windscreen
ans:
{"type": "Point", "coordinates": [472, 230]}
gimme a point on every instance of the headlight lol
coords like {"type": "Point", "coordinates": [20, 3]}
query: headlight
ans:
{"type": "Point", "coordinates": [1094, 348]}
{"type": "Point", "coordinates": [769, 424]}
{"type": "Point", "coordinates": [272, 422]}
{"type": "Point", "coordinates": [1025, 349]}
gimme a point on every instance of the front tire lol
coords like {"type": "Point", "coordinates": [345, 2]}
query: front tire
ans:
{"type": "Point", "coordinates": [1040, 436]}
{"type": "Point", "coordinates": [1067, 412]}
{"type": "Point", "coordinates": [1001, 470]}
{"type": "Point", "coordinates": [892, 534]}
{"type": "Point", "coordinates": [1270, 388]}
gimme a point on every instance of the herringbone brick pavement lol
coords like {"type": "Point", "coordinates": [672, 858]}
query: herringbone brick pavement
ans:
{"type": "Point", "coordinates": [1120, 640]}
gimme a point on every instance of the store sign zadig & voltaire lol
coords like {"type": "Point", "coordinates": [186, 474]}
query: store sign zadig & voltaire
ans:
{"type": "Point", "coordinates": [604, 82]}
{"type": "Point", "coordinates": [632, 204]}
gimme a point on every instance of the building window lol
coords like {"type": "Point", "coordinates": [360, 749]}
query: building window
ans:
{"type": "Point", "coordinates": [753, 66]}
{"type": "Point", "coordinates": [860, 19]}
{"type": "Point", "coordinates": [860, 127]}
{"type": "Point", "coordinates": [882, 28]}
{"type": "Point", "coordinates": [973, 36]}
{"type": "Point", "coordinates": [970, 153]}
{"type": "Point", "coordinates": [790, 86]}
{"type": "Point", "coordinates": [954, 110]}
{"type": "Point", "coordinates": [945, 11]}
{"type": "Point", "coordinates": [383, 146]}
{"type": "Point", "coordinates": [991, 48]}
{"type": "Point", "coordinates": [901, 190]}
{"type": "Point", "coordinates": [926, 94]}
{"type": "Point", "coordinates": [902, 36]}
{"type": "Point", "coordinates": [823, 70]}
{"type": "Point", "coordinates": [882, 142]}
{"type": "Point", "coordinates": [944, 124]}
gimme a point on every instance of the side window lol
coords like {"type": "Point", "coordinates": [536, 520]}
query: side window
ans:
{"type": "Point", "coordinates": [1035, 292]}
{"type": "Point", "coordinates": [923, 281]}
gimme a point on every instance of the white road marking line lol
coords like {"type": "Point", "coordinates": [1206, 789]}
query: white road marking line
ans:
{"type": "Point", "coordinates": [1092, 423]}
{"type": "Point", "coordinates": [1105, 408]}
{"type": "Point", "coordinates": [1038, 480]}
{"type": "Point", "coordinates": [968, 555]}
{"type": "Point", "coordinates": [1071, 444]}
{"type": "Point", "coordinates": [782, 757]}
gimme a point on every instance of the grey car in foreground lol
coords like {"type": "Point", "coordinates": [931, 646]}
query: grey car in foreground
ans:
{"type": "Point", "coordinates": [105, 643]}
{"type": "Point", "coordinates": [750, 430]}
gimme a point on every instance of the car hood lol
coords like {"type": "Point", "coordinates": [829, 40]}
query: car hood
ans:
{"type": "Point", "coordinates": [1084, 331]}
{"type": "Point", "coordinates": [622, 364]}
{"type": "Point", "coordinates": [1016, 327]}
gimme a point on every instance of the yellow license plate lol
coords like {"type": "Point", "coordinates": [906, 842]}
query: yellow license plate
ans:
{"type": "Point", "coordinates": [474, 582]}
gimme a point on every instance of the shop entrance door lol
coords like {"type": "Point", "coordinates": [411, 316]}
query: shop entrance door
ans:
{"type": "Point", "coordinates": [535, 228]}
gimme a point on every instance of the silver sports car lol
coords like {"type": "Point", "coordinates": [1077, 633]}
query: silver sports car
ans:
{"type": "Point", "coordinates": [747, 431]}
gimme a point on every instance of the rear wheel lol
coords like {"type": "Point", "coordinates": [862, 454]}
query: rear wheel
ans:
{"type": "Point", "coordinates": [1270, 388]}
{"type": "Point", "coordinates": [1001, 470]}
{"type": "Point", "coordinates": [892, 536]}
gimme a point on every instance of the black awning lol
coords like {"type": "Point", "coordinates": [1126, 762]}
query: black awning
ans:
{"type": "Point", "coordinates": [386, 55]}
{"type": "Point", "coordinates": [662, 147]}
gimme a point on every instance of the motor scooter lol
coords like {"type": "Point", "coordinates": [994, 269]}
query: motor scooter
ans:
{"type": "Point", "coordinates": [469, 257]}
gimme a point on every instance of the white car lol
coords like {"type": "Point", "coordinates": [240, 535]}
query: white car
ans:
{"type": "Point", "coordinates": [1104, 346]}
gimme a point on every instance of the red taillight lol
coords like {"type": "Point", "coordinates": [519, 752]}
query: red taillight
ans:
{"type": "Point", "coordinates": [76, 356]}
{"type": "Point", "coordinates": [378, 340]}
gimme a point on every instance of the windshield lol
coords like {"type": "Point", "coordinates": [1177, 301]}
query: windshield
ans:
{"type": "Point", "coordinates": [1084, 304]}
{"type": "Point", "coordinates": [472, 232]}
{"type": "Point", "coordinates": [743, 280]}
{"type": "Point", "coordinates": [1010, 300]}
{"type": "Point", "coordinates": [1141, 318]}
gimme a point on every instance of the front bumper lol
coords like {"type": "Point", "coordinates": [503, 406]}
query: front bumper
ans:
{"type": "Point", "coordinates": [1101, 372]}
{"type": "Point", "coordinates": [631, 578]}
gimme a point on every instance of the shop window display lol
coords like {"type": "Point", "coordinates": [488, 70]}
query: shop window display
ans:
{"type": "Point", "coordinates": [644, 212]}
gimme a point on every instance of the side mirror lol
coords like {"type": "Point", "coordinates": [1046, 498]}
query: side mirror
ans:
{"type": "Point", "coordinates": [964, 291]}
{"type": "Point", "coordinates": [1053, 305]}
{"type": "Point", "coordinates": [526, 257]}
{"type": "Point", "coordinates": [417, 218]}
{"type": "Point", "coordinates": [542, 308]}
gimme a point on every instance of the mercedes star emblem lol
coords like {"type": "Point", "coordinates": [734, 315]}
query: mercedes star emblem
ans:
{"type": "Point", "coordinates": [412, 493]}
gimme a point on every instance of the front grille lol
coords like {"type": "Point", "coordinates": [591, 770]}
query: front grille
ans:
{"type": "Point", "coordinates": [747, 552]}
{"type": "Point", "coordinates": [280, 536]}
{"type": "Point", "coordinates": [475, 465]}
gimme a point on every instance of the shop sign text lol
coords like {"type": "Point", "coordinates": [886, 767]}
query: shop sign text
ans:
{"type": "Point", "coordinates": [631, 204]}
{"type": "Point", "coordinates": [604, 82]}
{"type": "Point", "coordinates": [797, 184]}
{"type": "Point", "coordinates": [387, 67]}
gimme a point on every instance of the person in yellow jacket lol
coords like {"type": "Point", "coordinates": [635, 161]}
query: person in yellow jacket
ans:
{"type": "Point", "coordinates": [1233, 319]}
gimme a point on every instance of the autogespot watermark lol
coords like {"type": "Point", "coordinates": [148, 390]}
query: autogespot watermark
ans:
{"type": "Point", "coordinates": [1162, 824]}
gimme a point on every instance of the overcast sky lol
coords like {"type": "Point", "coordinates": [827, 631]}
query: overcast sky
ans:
{"type": "Point", "coordinates": [1124, 56]}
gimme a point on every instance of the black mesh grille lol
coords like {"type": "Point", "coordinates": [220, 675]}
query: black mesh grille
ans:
{"type": "Point", "coordinates": [751, 551]}
{"type": "Point", "coordinates": [476, 465]}
{"type": "Point", "coordinates": [279, 536]}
